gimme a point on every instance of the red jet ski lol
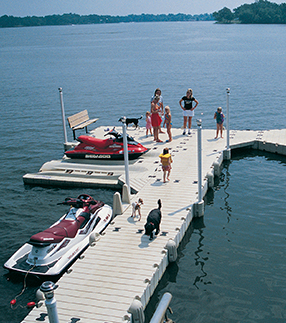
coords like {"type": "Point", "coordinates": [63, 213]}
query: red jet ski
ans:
{"type": "Point", "coordinates": [110, 149]}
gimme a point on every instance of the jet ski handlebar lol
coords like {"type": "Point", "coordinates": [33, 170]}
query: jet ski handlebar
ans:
{"type": "Point", "coordinates": [113, 132]}
{"type": "Point", "coordinates": [119, 136]}
{"type": "Point", "coordinates": [79, 202]}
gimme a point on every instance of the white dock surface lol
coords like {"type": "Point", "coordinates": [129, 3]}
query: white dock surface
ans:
{"type": "Point", "coordinates": [124, 264]}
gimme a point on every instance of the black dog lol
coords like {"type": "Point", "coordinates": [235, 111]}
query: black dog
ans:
{"type": "Point", "coordinates": [129, 121]}
{"type": "Point", "coordinates": [153, 221]}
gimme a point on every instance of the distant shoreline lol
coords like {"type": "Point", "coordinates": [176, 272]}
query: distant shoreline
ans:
{"type": "Point", "coordinates": [75, 19]}
{"type": "Point", "coordinates": [259, 12]}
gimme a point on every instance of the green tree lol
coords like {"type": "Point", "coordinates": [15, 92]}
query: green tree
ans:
{"type": "Point", "coordinates": [260, 12]}
{"type": "Point", "coordinates": [283, 13]}
{"type": "Point", "coordinates": [224, 15]}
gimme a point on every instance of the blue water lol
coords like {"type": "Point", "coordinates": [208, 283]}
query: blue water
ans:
{"type": "Point", "coordinates": [231, 266]}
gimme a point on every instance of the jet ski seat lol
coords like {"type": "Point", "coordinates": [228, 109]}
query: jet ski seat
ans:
{"type": "Point", "coordinates": [96, 142]}
{"type": "Point", "coordinates": [55, 234]}
{"type": "Point", "coordinates": [66, 228]}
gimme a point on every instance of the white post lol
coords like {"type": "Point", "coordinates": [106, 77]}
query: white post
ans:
{"type": "Point", "coordinates": [227, 151]}
{"type": "Point", "coordinates": [48, 289]}
{"type": "Point", "coordinates": [137, 312]}
{"type": "Point", "coordinates": [125, 194]}
{"type": "Point", "coordinates": [199, 124]}
{"type": "Point", "coordinates": [126, 163]}
{"type": "Point", "coordinates": [117, 205]}
{"type": "Point", "coordinates": [198, 207]}
{"type": "Point", "coordinates": [63, 114]}
{"type": "Point", "coordinates": [227, 117]}
{"type": "Point", "coordinates": [163, 306]}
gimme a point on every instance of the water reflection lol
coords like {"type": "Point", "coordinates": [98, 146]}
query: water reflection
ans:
{"type": "Point", "coordinates": [200, 261]}
{"type": "Point", "coordinates": [221, 182]}
{"type": "Point", "coordinates": [226, 180]}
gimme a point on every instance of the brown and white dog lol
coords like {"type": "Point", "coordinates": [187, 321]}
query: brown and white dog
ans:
{"type": "Point", "coordinates": [136, 206]}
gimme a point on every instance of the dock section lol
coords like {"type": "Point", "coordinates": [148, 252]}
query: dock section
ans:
{"type": "Point", "coordinates": [125, 265]}
{"type": "Point", "coordinates": [98, 173]}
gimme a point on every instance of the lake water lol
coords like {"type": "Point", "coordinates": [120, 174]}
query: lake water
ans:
{"type": "Point", "coordinates": [231, 265]}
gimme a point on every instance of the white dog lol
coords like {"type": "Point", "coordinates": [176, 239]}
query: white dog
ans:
{"type": "Point", "coordinates": [136, 206]}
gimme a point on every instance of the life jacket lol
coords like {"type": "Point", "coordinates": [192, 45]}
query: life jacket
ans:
{"type": "Point", "coordinates": [165, 159]}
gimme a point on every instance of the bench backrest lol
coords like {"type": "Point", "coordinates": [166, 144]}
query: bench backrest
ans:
{"type": "Point", "coordinates": [78, 118]}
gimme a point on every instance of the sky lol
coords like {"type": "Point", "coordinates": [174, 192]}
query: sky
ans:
{"type": "Point", "coordinates": [22, 8]}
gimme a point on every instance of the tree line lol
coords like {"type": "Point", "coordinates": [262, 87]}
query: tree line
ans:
{"type": "Point", "coordinates": [259, 12]}
{"type": "Point", "coordinates": [75, 19]}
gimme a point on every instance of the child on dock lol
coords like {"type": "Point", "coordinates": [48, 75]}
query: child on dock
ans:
{"type": "Point", "coordinates": [166, 161]}
{"type": "Point", "coordinates": [148, 123]}
{"type": "Point", "coordinates": [219, 116]}
{"type": "Point", "coordinates": [168, 122]}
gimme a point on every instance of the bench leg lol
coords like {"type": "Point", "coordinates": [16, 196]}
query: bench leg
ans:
{"type": "Point", "coordinates": [74, 134]}
{"type": "Point", "coordinates": [86, 129]}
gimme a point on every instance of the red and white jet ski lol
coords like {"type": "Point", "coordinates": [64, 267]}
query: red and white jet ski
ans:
{"type": "Point", "coordinates": [110, 149]}
{"type": "Point", "coordinates": [49, 252]}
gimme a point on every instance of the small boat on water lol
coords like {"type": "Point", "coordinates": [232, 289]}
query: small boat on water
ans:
{"type": "Point", "coordinates": [106, 149]}
{"type": "Point", "coordinates": [50, 252]}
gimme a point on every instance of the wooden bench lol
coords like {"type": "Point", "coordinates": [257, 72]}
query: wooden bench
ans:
{"type": "Point", "coordinates": [80, 120]}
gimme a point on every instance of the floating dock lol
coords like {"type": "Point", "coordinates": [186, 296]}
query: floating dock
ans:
{"type": "Point", "coordinates": [125, 266]}
{"type": "Point", "coordinates": [99, 173]}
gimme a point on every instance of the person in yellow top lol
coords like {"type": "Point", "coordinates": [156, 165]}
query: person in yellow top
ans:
{"type": "Point", "coordinates": [166, 161]}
